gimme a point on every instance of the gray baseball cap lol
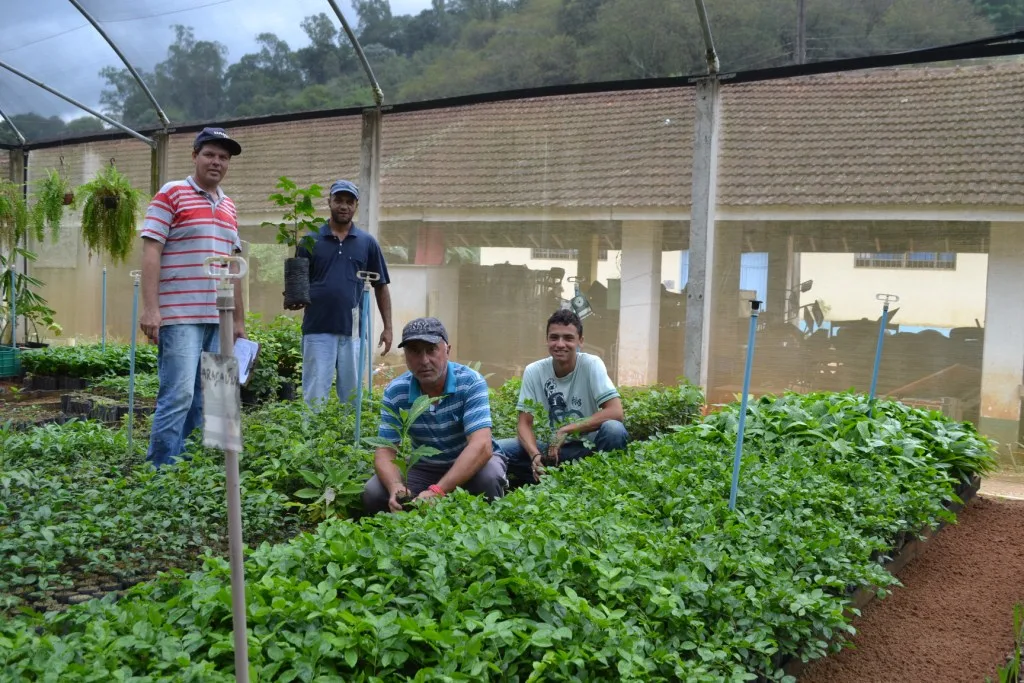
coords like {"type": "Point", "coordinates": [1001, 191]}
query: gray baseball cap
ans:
{"type": "Point", "coordinates": [430, 330]}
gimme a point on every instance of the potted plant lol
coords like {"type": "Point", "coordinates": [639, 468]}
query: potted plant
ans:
{"type": "Point", "coordinates": [14, 215]}
{"type": "Point", "coordinates": [51, 197]}
{"type": "Point", "coordinates": [110, 212]}
{"type": "Point", "coordinates": [296, 230]}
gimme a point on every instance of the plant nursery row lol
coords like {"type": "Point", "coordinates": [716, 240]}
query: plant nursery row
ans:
{"type": "Point", "coordinates": [623, 567]}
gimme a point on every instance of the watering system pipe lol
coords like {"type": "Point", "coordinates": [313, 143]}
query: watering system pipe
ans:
{"type": "Point", "coordinates": [754, 307]}
{"type": "Point", "coordinates": [103, 117]}
{"type": "Point", "coordinates": [218, 267]}
{"type": "Point", "coordinates": [136, 279]}
{"type": "Point", "coordinates": [364, 346]}
{"type": "Point", "coordinates": [886, 299]}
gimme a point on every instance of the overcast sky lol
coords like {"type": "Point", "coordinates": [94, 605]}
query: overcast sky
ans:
{"type": "Point", "coordinates": [52, 42]}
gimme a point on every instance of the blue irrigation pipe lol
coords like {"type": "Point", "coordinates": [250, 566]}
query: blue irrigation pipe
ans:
{"type": "Point", "coordinates": [103, 313]}
{"type": "Point", "coordinates": [364, 343]}
{"type": "Point", "coordinates": [886, 299]}
{"type": "Point", "coordinates": [754, 306]}
{"type": "Point", "coordinates": [136, 275]}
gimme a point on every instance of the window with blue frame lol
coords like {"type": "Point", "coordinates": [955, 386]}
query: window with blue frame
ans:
{"type": "Point", "coordinates": [753, 272]}
{"type": "Point", "coordinates": [928, 260]}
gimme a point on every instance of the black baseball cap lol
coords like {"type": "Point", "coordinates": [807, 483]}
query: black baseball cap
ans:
{"type": "Point", "coordinates": [429, 330]}
{"type": "Point", "coordinates": [218, 135]}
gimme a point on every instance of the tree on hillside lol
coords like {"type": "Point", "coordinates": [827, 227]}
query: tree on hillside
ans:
{"type": "Point", "coordinates": [459, 47]}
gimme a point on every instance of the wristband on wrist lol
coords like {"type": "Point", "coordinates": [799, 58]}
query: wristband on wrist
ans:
{"type": "Point", "coordinates": [436, 489]}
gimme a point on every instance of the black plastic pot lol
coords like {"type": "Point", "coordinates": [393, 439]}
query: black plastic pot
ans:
{"type": "Point", "coordinates": [69, 198]}
{"type": "Point", "coordinates": [296, 283]}
{"type": "Point", "coordinates": [111, 201]}
{"type": "Point", "coordinates": [286, 392]}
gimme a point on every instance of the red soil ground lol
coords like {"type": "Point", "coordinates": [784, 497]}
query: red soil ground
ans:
{"type": "Point", "coordinates": [953, 619]}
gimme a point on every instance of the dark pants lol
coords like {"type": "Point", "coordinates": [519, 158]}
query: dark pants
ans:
{"type": "Point", "coordinates": [610, 436]}
{"type": "Point", "coordinates": [489, 481]}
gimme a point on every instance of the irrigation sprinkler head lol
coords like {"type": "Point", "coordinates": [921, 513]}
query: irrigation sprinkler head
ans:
{"type": "Point", "coordinates": [367, 277]}
{"type": "Point", "coordinates": [136, 276]}
{"type": "Point", "coordinates": [887, 298]}
{"type": "Point", "coordinates": [755, 305]}
{"type": "Point", "coordinates": [219, 267]}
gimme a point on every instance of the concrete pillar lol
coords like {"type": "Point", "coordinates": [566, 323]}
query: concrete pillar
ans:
{"type": "Point", "coordinates": [586, 262]}
{"type": "Point", "coordinates": [369, 199]}
{"type": "Point", "coordinates": [1002, 367]}
{"type": "Point", "coordinates": [430, 246]}
{"type": "Point", "coordinates": [780, 251]}
{"type": "Point", "coordinates": [702, 230]}
{"type": "Point", "coordinates": [728, 318]}
{"type": "Point", "coordinates": [639, 303]}
{"type": "Point", "coordinates": [158, 162]}
{"type": "Point", "coordinates": [369, 172]}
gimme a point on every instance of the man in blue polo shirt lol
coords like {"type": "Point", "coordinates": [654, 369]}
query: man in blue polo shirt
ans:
{"type": "Point", "coordinates": [458, 425]}
{"type": "Point", "coordinates": [330, 324]}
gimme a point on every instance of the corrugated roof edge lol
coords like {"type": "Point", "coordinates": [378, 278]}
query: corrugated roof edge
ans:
{"type": "Point", "coordinates": [994, 46]}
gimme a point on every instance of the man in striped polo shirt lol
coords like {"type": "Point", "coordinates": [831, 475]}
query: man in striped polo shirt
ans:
{"type": "Point", "coordinates": [186, 222]}
{"type": "Point", "coordinates": [458, 425]}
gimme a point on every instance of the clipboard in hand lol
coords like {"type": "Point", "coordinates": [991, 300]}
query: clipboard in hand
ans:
{"type": "Point", "coordinates": [246, 352]}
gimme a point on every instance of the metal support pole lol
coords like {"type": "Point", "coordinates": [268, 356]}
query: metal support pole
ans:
{"type": "Point", "coordinates": [103, 313]}
{"type": "Point", "coordinates": [10, 124]}
{"type": "Point", "coordinates": [14, 306]}
{"type": "Point", "coordinates": [136, 279]}
{"type": "Point", "coordinates": [754, 306]}
{"type": "Point", "coordinates": [710, 55]}
{"type": "Point", "coordinates": [378, 94]}
{"type": "Point", "coordinates": [218, 267]}
{"type": "Point", "coordinates": [103, 117]}
{"type": "Point", "coordinates": [124, 60]}
{"type": "Point", "coordinates": [364, 346]}
{"type": "Point", "coordinates": [886, 299]}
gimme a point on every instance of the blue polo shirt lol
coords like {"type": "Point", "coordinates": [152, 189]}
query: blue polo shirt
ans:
{"type": "Point", "coordinates": [463, 409]}
{"type": "Point", "coordinates": [335, 293]}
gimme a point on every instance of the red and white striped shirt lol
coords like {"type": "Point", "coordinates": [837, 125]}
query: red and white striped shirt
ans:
{"type": "Point", "coordinates": [192, 224]}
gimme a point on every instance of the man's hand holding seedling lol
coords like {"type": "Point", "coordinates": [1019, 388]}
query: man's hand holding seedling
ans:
{"type": "Point", "coordinates": [398, 493]}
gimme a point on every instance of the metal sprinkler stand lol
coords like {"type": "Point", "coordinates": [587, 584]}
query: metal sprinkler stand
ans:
{"type": "Point", "coordinates": [755, 306]}
{"type": "Point", "coordinates": [219, 268]}
{"type": "Point", "coordinates": [886, 299]}
{"type": "Point", "coordinates": [364, 346]}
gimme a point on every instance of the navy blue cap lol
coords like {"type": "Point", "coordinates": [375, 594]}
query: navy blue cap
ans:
{"type": "Point", "coordinates": [430, 330]}
{"type": "Point", "coordinates": [218, 135]}
{"type": "Point", "coordinates": [344, 186]}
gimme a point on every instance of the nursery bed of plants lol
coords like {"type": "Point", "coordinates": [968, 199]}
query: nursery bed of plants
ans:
{"type": "Point", "coordinates": [629, 567]}
{"type": "Point", "coordinates": [82, 515]}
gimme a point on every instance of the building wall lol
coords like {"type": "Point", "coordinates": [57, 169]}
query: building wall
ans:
{"type": "Point", "coordinates": [928, 298]}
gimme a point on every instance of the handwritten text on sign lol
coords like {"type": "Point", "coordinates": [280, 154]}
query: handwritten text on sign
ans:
{"type": "Point", "coordinates": [222, 405]}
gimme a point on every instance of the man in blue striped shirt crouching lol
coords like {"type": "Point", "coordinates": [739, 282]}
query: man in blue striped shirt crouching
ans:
{"type": "Point", "coordinates": [457, 425]}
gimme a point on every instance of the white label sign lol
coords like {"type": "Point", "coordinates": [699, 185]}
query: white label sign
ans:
{"type": "Point", "coordinates": [222, 404]}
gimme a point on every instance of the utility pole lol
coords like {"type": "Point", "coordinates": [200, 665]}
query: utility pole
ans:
{"type": "Point", "coordinates": [801, 32]}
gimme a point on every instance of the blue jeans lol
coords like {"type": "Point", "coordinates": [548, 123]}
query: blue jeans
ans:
{"type": "Point", "coordinates": [326, 358]}
{"type": "Point", "coordinates": [610, 436]}
{"type": "Point", "coordinates": [179, 402]}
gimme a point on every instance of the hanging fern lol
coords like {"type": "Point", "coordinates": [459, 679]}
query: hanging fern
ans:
{"type": "Point", "coordinates": [14, 215]}
{"type": "Point", "coordinates": [48, 211]}
{"type": "Point", "coordinates": [110, 212]}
